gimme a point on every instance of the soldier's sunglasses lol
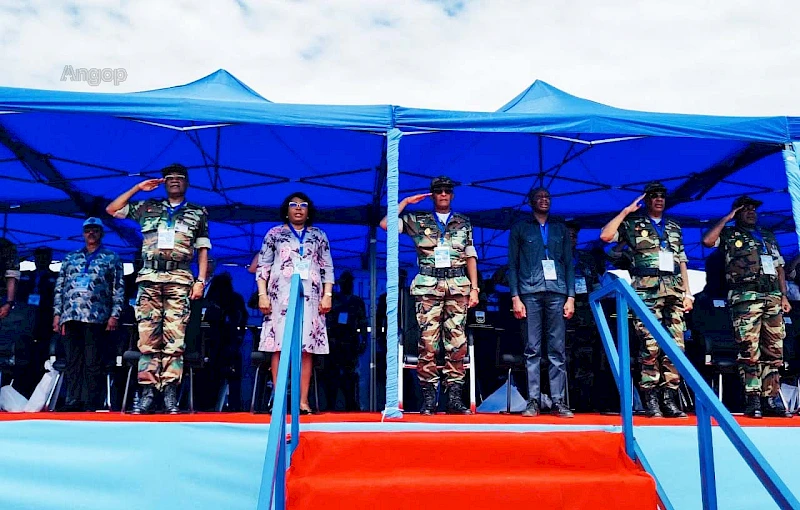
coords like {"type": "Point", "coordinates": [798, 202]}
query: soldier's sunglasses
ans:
{"type": "Point", "coordinates": [294, 205]}
{"type": "Point", "coordinates": [657, 194]}
{"type": "Point", "coordinates": [174, 177]}
{"type": "Point", "coordinates": [439, 191]}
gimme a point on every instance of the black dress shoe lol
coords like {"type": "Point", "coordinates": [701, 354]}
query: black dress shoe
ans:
{"type": "Point", "coordinates": [561, 409]}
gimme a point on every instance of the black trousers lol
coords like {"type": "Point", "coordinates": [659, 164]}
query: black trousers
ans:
{"type": "Point", "coordinates": [84, 368]}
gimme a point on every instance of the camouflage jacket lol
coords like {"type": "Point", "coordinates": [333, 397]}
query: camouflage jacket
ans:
{"type": "Point", "coordinates": [9, 264]}
{"type": "Point", "coordinates": [105, 294]}
{"type": "Point", "coordinates": [637, 232]}
{"type": "Point", "coordinates": [191, 232]}
{"type": "Point", "coordinates": [423, 229]}
{"type": "Point", "coordinates": [743, 272]}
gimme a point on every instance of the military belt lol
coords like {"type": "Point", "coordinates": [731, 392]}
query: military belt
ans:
{"type": "Point", "coordinates": [647, 271]}
{"type": "Point", "coordinates": [443, 272]}
{"type": "Point", "coordinates": [166, 265]}
{"type": "Point", "coordinates": [763, 287]}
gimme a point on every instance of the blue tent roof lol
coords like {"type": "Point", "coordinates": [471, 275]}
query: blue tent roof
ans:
{"type": "Point", "coordinates": [66, 154]}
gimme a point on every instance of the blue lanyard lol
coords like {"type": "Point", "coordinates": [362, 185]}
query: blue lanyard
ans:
{"type": "Point", "coordinates": [299, 237]}
{"type": "Point", "coordinates": [442, 227]}
{"type": "Point", "coordinates": [544, 229]}
{"type": "Point", "coordinates": [90, 258]}
{"type": "Point", "coordinates": [172, 211]}
{"type": "Point", "coordinates": [758, 237]}
{"type": "Point", "coordinates": [660, 230]}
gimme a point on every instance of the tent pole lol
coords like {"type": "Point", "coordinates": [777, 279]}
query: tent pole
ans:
{"type": "Point", "coordinates": [373, 306]}
{"type": "Point", "coordinates": [392, 409]}
{"type": "Point", "coordinates": [790, 154]}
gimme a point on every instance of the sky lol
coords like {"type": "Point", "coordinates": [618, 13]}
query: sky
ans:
{"type": "Point", "coordinates": [712, 57]}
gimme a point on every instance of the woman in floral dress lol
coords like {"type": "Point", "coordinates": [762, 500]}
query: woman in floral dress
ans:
{"type": "Point", "coordinates": [295, 247]}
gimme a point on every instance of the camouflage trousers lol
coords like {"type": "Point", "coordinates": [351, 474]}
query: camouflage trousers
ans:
{"type": "Point", "coordinates": [657, 368]}
{"type": "Point", "coordinates": [759, 330]}
{"type": "Point", "coordinates": [442, 315]}
{"type": "Point", "coordinates": [162, 312]}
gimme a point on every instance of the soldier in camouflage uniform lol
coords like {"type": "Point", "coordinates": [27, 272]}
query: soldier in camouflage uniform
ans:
{"type": "Point", "coordinates": [582, 332]}
{"type": "Point", "coordinates": [173, 230]}
{"type": "Point", "coordinates": [757, 298]}
{"type": "Point", "coordinates": [447, 284]}
{"type": "Point", "coordinates": [660, 277]}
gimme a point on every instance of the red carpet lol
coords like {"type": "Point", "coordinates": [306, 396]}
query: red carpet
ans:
{"type": "Point", "coordinates": [488, 419]}
{"type": "Point", "coordinates": [462, 470]}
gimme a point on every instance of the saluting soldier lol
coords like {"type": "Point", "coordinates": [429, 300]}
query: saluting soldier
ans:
{"type": "Point", "coordinates": [446, 286]}
{"type": "Point", "coordinates": [660, 277]}
{"type": "Point", "coordinates": [173, 230]}
{"type": "Point", "coordinates": [757, 299]}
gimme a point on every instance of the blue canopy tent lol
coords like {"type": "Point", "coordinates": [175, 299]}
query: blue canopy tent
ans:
{"type": "Point", "coordinates": [64, 155]}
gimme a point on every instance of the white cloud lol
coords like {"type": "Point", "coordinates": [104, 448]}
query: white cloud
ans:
{"type": "Point", "coordinates": [737, 58]}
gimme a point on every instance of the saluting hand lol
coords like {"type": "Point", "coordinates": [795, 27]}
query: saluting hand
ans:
{"type": "Point", "coordinates": [635, 205]}
{"type": "Point", "coordinates": [149, 184]}
{"type": "Point", "coordinates": [415, 199]}
{"type": "Point", "coordinates": [733, 212]}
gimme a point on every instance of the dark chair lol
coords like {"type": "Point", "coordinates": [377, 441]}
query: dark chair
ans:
{"type": "Point", "coordinates": [711, 326]}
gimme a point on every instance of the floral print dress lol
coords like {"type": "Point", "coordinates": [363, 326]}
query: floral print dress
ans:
{"type": "Point", "coordinates": [276, 264]}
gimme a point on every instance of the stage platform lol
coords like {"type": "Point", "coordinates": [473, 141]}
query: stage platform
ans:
{"type": "Point", "coordinates": [214, 461]}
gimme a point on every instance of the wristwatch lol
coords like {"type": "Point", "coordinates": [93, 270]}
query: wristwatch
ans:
{"type": "Point", "coordinates": [329, 294]}
{"type": "Point", "coordinates": [476, 289]}
{"type": "Point", "coordinates": [198, 280]}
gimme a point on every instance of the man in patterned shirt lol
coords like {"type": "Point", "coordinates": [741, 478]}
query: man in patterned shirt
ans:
{"type": "Point", "coordinates": [660, 277]}
{"type": "Point", "coordinates": [173, 229]}
{"type": "Point", "coordinates": [88, 300]}
{"type": "Point", "coordinates": [447, 284]}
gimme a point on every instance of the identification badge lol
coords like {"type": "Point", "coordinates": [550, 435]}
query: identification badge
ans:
{"type": "Point", "coordinates": [342, 318]}
{"type": "Point", "coordinates": [787, 319]}
{"type": "Point", "coordinates": [719, 303]}
{"type": "Point", "coordinates": [82, 282]}
{"type": "Point", "coordinates": [302, 267]}
{"type": "Point", "coordinates": [580, 285]}
{"type": "Point", "coordinates": [666, 262]}
{"type": "Point", "coordinates": [549, 268]}
{"type": "Point", "coordinates": [480, 317]}
{"type": "Point", "coordinates": [441, 255]}
{"type": "Point", "coordinates": [132, 301]}
{"type": "Point", "coordinates": [166, 239]}
{"type": "Point", "coordinates": [34, 299]}
{"type": "Point", "coordinates": [182, 227]}
{"type": "Point", "coordinates": [767, 264]}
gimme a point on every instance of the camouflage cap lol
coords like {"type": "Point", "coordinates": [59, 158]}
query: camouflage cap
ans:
{"type": "Point", "coordinates": [175, 168]}
{"type": "Point", "coordinates": [442, 182]}
{"type": "Point", "coordinates": [746, 200]}
{"type": "Point", "coordinates": [655, 187]}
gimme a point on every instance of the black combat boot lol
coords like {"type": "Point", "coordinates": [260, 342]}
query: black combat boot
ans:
{"type": "Point", "coordinates": [147, 401]}
{"type": "Point", "coordinates": [773, 406]}
{"type": "Point", "coordinates": [171, 399]}
{"type": "Point", "coordinates": [752, 406]}
{"type": "Point", "coordinates": [650, 403]}
{"type": "Point", "coordinates": [428, 399]}
{"type": "Point", "coordinates": [454, 403]}
{"type": "Point", "coordinates": [669, 403]}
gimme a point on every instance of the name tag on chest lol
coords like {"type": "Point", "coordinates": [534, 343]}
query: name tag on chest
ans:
{"type": "Point", "coordinates": [182, 227]}
{"type": "Point", "coordinates": [768, 264]}
{"type": "Point", "coordinates": [666, 262]}
{"type": "Point", "coordinates": [580, 285]}
{"type": "Point", "coordinates": [549, 268]}
{"type": "Point", "coordinates": [82, 282]}
{"type": "Point", "coordinates": [166, 239]}
{"type": "Point", "coordinates": [441, 256]}
{"type": "Point", "coordinates": [302, 267]}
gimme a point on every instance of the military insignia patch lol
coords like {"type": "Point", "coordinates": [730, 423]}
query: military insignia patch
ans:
{"type": "Point", "coordinates": [645, 233]}
{"type": "Point", "coordinates": [738, 244]}
{"type": "Point", "coordinates": [427, 231]}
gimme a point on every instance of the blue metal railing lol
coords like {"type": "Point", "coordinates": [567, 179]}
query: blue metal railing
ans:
{"type": "Point", "coordinates": [276, 460]}
{"type": "Point", "coordinates": [707, 405]}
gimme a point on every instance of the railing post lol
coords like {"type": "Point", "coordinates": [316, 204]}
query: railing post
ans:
{"type": "Point", "coordinates": [296, 350]}
{"type": "Point", "coordinates": [280, 474]}
{"type": "Point", "coordinates": [625, 389]}
{"type": "Point", "coordinates": [708, 482]}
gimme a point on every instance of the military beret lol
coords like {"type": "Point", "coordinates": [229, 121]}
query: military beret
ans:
{"type": "Point", "coordinates": [746, 200]}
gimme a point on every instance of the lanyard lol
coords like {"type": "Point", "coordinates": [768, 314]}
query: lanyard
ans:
{"type": "Point", "coordinates": [299, 237]}
{"type": "Point", "coordinates": [758, 237]}
{"type": "Point", "coordinates": [90, 258]}
{"type": "Point", "coordinates": [660, 231]}
{"type": "Point", "coordinates": [172, 211]}
{"type": "Point", "coordinates": [544, 228]}
{"type": "Point", "coordinates": [442, 227]}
